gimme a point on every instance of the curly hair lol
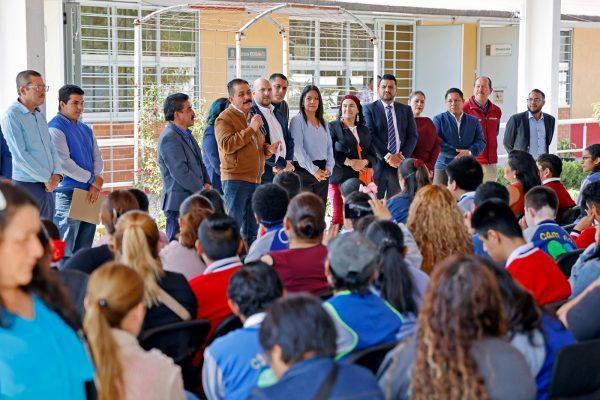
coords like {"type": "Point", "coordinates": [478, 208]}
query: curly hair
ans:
{"type": "Point", "coordinates": [462, 305]}
{"type": "Point", "coordinates": [437, 226]}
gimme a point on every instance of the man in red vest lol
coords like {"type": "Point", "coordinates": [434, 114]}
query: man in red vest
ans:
{"type": "Point", "coordinates": [489, 114]}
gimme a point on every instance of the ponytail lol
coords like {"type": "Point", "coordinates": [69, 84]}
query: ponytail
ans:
{"type": "Point", "coordinates": [137, 239]}
{"type": "Point", "coordinates": [113, 291]}
{"type": "Point", "coordinates": [105, 352]}
{"type": "Point", "coordinates": [394, 280]}
{"type": "Point", "coordinates": [136, 253]}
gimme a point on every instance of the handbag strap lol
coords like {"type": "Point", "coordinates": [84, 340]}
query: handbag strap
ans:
{"type": "Point", "coordinates": [328, 384]}
{"type": "Point", "coordinates": [173, 305]}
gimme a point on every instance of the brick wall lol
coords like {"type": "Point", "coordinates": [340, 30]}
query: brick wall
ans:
{"type": "Point", "coordinates": [118, 159]}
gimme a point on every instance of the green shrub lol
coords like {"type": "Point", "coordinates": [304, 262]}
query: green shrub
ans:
{"type": "Point", "coordinates": [572, 174]}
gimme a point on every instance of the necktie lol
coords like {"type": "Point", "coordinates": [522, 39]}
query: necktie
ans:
{"type": "Point", "coordinates": [392, 145]}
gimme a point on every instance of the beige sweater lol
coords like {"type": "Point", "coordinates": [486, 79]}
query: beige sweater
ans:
{"type": "Point", "coordinates": [241, 150]}
{"type": "Point", "coordinates": [148, 375]}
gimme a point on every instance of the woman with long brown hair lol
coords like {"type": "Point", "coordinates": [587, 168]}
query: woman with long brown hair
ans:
{"type": "Point", "coordinates": [180, 255]}
{"type": "Point", "coordinates": [136, 245]}
{"type": "Point", "coordinates": [459, 351]}
{"type": "Point", "coordinates": [437, 226]}
{"type": "Point", "coordinates": [114, 315]}
{"type": "Point", "coordinates": [41, 355]}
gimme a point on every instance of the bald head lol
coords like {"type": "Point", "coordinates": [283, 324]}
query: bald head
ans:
{"type": "Point", "coordinates": [262, 92]}
{"type": "Point", "coordinates": [482, 89]}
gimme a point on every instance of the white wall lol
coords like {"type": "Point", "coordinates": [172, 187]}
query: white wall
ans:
{"type": "Point", "coordinates": [54, 50]}
{"type": "Point", "coordinates": [502, 70]}
{"type": "Point", "coordinates": [438, 63]}
{"type": "Point", "coordinates": [13, 48]}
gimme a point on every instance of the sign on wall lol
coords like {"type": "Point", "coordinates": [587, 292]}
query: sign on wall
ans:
{"type": "Point", "coordinates": [498, 50]}
{"type": "Point", "coordinates": [254, 63]}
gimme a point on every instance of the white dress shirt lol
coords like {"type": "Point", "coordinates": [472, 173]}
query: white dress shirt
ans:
{"type": "Point", "coordinates": [275, 130]}
{"type": "Point", "coordinates": [398, 144]}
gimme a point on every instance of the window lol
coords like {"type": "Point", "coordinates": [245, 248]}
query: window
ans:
{"type": "Point", "coordinates": [565, 67]}
{"type": "Point", "coordinates": [107, 56]}
{"type": "Point", "coordinates": [302, 40]}
{"type": "Point", "coordinates": [343, 61]}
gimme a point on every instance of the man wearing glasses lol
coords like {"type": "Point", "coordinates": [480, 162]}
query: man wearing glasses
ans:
{"type": "Point", "coordinates": [532, 130]}
{"type": "Point", "coordinates": [36, 166]}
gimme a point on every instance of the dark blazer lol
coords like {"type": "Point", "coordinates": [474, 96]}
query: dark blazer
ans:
{"type": "Point", "coordinates": [182, 171]}
{"type": "Point", "coordinates": [516, 134]}
{"type": "Point", "coordinates": [344, 146]}
{"type": "Point", "coordinates": [376, 121]}
{"type": "Point", "coordinates": [287, 137]}
{"type": "Point", "coordinates": [5, 158]}
{"type": "Point", "coordinates": [210, 157]}
{"type": "Point", "coordinates": [470, 136]}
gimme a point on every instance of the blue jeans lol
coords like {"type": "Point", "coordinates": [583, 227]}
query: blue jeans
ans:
{"type": "Point", "coordinates": [44, 200]}
{"type": "Point", "coordinates": [172, 224]}
{"type": "Point", "coordinates": [77, 234]}
{"type": "Point", "coordinates": [238, 203]}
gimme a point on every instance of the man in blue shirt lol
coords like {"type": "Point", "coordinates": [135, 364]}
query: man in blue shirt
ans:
{"type": "Point", "coordinates": [82, 165]}
{"type": "Point", "coordinates": [35, 163]}
{"type": "Point", "coordinates": [234, 363]}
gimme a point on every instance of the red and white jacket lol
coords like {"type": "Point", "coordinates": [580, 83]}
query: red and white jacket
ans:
{"type": "Point", "coordinates": [537, 272]}
{"type": "Point", "coordinates": [490, 124]}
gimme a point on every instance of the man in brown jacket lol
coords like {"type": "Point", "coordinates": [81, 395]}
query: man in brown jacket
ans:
{"type": "Point", "coordinates": [242, 150]}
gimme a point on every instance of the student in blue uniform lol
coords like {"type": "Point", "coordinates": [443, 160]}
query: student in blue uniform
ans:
{"type": "Point", "coordinates": [362, 318]}
{"type": "Point", "coordinates": [234, 363]}
{"type": "Point", "coordinates": [541, 205]}
{"type": "Point", "coordinates": [299, 338]}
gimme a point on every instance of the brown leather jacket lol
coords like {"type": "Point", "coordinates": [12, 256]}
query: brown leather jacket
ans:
{"type": "Point", "coordinates": [241, 150]}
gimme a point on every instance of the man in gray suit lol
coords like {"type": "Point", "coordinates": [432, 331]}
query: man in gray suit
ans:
{"type": "Point", "coordinates": [179, 159]}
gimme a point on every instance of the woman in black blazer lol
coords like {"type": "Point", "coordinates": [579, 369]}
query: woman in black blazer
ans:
{"type": "Point", "coordinates": [349, 135]}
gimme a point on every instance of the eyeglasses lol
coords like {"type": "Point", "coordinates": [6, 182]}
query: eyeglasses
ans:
{"type": "Point", "coordinates": [536, 101]}
{"type": "Point", "coordinates": [39, 88]}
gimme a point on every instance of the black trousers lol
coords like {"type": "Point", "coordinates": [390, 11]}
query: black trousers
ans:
{"type": "Point", "coordinates": [387, 182]}
{"type": "Point", "coordinates": [311, 184]}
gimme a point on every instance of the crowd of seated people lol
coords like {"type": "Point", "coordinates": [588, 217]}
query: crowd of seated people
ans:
{"type": "Point", "coordinates": [460, 283]}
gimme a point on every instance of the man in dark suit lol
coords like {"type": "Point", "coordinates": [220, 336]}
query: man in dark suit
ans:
{"type": "Point", "coordinates": [394, 135]}
{"type": "Point", "coordinates": [179, 159]}
{"type": "Point", "coordinates": [5, 159]}
{"type": "Point", "coordinates": [279, 83]}
{"type": "Point", "coordinates": [532, 130]}
{"type": "Point", "coordinates": [275, 129]}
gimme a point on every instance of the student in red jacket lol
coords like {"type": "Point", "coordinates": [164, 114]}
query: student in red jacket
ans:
{"type": "Point", "coordinates": [536, 271]}
{"type": "Point", "coordinates": [218, 245]}
{"type": "Point", "coordinates": [429, 143]}
{"type": "Point", "coordinates": [480, 106]}
{"type": "Point", "coordinates": [550, 168]}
